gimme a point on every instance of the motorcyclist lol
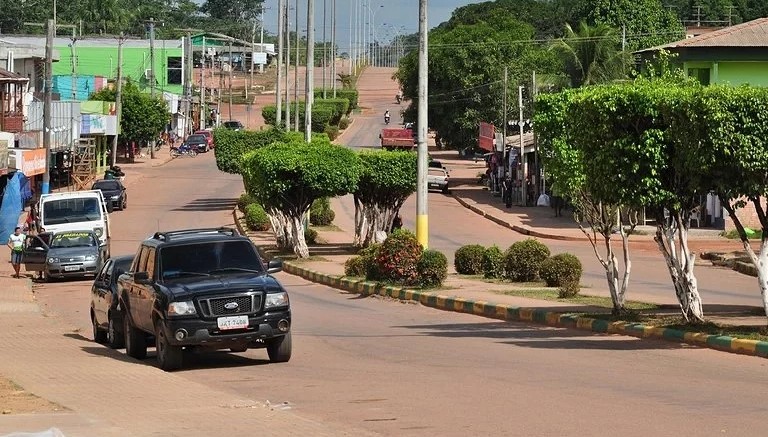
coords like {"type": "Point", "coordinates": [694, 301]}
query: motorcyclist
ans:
{"type": "Point", "coordinates": [399, 97]}
{"type": "Point", "coordinates": [386, 116]}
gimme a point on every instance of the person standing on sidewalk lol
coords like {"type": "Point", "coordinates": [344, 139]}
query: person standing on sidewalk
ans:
{"type": "Point", "coordinates": [16, 244]}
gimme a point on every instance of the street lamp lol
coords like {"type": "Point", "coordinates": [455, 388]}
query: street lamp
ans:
{"type": "Point", "coordinates": [372, 32]}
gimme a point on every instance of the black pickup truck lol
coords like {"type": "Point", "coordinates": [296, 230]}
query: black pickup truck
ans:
{"type": "Point", "coordinates": [203, 289]}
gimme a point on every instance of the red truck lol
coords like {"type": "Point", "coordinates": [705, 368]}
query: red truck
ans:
{"type": "Point", "coordinates": [397, 138]}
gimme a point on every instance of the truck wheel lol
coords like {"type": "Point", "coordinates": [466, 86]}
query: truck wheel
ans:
{"type": "Point", "coordinates": [99, 335]}
{"type": "Point", "coordinates": [115, 338]}
{"type": "Point", "coordinates": [135, 340]}
{"type": "Point", "coordinates": [279, 349]}
{"type": "Point", "coordinates": [168, 357]}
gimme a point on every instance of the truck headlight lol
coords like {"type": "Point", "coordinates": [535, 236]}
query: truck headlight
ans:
{"type": "Point", "coordinates": [185, 308]}
{"type": "Point", "coordinates": [274, 300]}
{"type": "Point", "coordinates": [115, 197]}
{"type": "Point", "coordinates": [98, 231]}
{"type": "Point", "coordinates": [52, 260]}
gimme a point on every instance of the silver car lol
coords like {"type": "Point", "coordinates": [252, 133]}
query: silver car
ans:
{"type": "Point", "coordinates": [64, 254]}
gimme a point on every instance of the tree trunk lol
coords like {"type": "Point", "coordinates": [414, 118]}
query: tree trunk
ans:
{"type": "Point", "coordinates": [680, 264]}
{"type": "Point", "coordinates": [298, 242]}
{"type": "Point", "coordinates": [360, 223]}
{"type": "Point", "coordinates": [762, 274]}
{"type": "Point", "coordinates": [281, 229]}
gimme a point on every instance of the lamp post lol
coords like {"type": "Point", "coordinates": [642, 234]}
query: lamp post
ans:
{"type": "Point", "coordinates": [372, 32]}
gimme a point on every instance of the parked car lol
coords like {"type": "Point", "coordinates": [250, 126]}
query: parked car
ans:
{"type": "Point", "coordinates": [198, 142]}
{"type": "Point", "coordinates": [67, 254]}
{"type": "Point", "coordinates": [203, 289]}
{"type": "Point", "coordinates": [114, 193]}
{"type": "Point", "coordinates": [208, 136]}
{"type": "Point", "coordinates": [437, 179]}
{"type": "Point", "coordinates": [433, 163]}
{"type": "Point", "coordinates": [105, 315]}
{"type": "Point", "coordinates": [233, 125]}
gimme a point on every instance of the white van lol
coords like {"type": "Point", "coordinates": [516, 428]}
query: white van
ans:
{"type": "Point", "coordinates": [75, 211]}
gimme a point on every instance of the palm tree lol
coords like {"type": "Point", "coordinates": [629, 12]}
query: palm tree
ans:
{"type": "Point", "coordinates": [592, 54]}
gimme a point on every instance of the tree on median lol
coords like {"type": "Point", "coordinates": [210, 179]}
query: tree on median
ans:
{"type": "Point", "coordinates": [287, 177]}
{"type": "Point", "coordinates": [386, 181]}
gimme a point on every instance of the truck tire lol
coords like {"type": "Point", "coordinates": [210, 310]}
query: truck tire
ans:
{"type": "Point", "coordinates": [99, 335]}
{"type": "Point", "coordinates": [135, 340]}
{"type": "Point", "coordinates": [279, 349]}
{"type": "Point", "coordinates": [115, 338]}
{"type": "Point", "coordinates": [168, 357]}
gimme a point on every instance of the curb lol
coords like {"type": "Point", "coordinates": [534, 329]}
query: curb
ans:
{"type": "Point", "coordinates": [516, 228]}
{"type": "Point", "coordinates": [519, 314]}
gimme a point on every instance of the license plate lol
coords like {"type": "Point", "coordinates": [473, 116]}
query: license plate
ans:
{"type": "Point", "coordinates": [434, 186]}
{"type": "Point", "coordinates": [71, 268]}
{"type": "Point", "coordinates": [232, 322]}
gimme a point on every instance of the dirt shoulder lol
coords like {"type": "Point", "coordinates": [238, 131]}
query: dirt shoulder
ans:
{"type": "Point", "coordinates": [15, 400]}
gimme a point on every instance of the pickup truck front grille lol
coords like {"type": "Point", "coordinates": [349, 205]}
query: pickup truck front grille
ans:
{"type": "Point", "coordinates": [230, 305]}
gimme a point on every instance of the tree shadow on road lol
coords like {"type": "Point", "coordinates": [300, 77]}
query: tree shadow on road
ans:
{"type": "Point", "coordinates": [544, 337]}
{"type": "Point", "coordinates": [212, 204]}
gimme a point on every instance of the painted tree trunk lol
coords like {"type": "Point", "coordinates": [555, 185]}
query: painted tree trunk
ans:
{"type": "Point", "coordinates": [280, 228]}
{"type": "Point", "coordinates": [298, 242]}
{"type": "Point", "coordinates": [762, 273]}
{"type": "Point", "coordinates": [360, 223]}
{"type": "Point", "coordinates": [378, 219]}
{"type": "Point", "coordinates": [680, 263]}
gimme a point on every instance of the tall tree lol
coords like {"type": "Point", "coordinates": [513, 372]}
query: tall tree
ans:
{"type": "Point", "coordinates": [143, 117]}
{"type": "Point", "coordinates": [592, 54]}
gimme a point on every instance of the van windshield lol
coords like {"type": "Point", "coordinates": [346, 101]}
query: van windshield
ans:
{"type": "Point", "coordinates": [83, 209]}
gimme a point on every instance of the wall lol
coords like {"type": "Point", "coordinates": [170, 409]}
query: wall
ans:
{"type": "Point", "coordinates": [747, 216]}
{"type": "Point", "coordinates": [102, 61]}
{"type": "Point", "coordinates": [738, 73]}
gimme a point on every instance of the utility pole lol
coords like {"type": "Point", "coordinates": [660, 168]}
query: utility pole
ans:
{"type": "Point", "coordinates": [231, 70]}
{"type": "Point", "coordinates": [350, 57]}
{"type": "Point", "coordinates": [203, 111]}
{"type": "Point", "coordinates": [118, 95]}
{"type": "Point", "coordinates": [288, 65]}
{"type": "Point", "coordinates": [422, 217]}
{"type": "Point", "coordinates": [47, 125]}
{"type": "Point", "coordinates": [73, 54]}
{"type": "Point", "coordinates": [152, 74]}
{"type": "Point", "coordinates": [261, 40]}
{"type": "Point", "coordinates": [279, 86]}
{"type": "Point", "coordinates": [505, 111]}
{"type": "Point", "coordinates": [296, 72]}
{"type": "Point", "coordinates": [325, 50]}
{"type": "Point", "coordinates": [333, 46]}
{"type": "Point", "coordinates": [537, 178]}
{"type": "Point", "coordinates": [523, 186]}
{"type": "Point", "coordinates": [310, 85]}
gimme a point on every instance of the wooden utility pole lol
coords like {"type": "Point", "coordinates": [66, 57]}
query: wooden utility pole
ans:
{"type": "Point", "coordinates": [203, 110]}
{"type": "Point", "coordinates": [118, 95]}
{"type": "Point", "coordinates": [47, 125]}
{"type": "Point", "coordinates": [231, 70]}
{"type": "Point", "coordinates": [287, 34]}
{"type": "Point", "coordinates": [73, 54]}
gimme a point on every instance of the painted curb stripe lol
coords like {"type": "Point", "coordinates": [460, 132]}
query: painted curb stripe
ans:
{"type": "Point", "coordinates": [510, 313]}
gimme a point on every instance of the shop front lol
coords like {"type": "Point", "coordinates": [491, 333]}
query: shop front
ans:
{"type": "Point", "coordinates": [31, 162]}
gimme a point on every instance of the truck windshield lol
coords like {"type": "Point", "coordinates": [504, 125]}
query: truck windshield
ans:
{"type": "Point", "coordinates": [81, 209]}
{"type": "Point", "coordinates": [209, 258]}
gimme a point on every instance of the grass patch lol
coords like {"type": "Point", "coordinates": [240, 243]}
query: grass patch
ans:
{"type": "Point", "coordinates": [733, 234]}
{"type": "Point", "coordinates": [745, 332]}
{"type": "Point", "coordinates": [326, 228]}
{"type": "Point", "coordinates": [551, 294]}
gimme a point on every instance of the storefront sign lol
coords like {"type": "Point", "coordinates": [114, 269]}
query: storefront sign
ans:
{"type": "Point", "coordinates": [29, 162]}
{"type": "Point", "coordinates": [485, 138]}
{"type": "Point", "coordinates": [92, 124]}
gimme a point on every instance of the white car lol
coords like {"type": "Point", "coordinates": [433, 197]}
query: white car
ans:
{"type": "Point", "coordinates": [437, 179]}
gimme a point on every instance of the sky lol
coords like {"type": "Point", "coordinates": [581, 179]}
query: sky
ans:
{"type": "Point", "coordinates": [391, 16]}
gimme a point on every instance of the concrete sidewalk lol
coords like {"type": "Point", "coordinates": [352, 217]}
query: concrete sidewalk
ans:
{"type": "Point", "coordinates": [104, 393]}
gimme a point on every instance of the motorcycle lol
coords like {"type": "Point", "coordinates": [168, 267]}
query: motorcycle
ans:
{"type": "Point", "coordinates": [386, 119]}
{"type": "Point", "coordinates": [399, 99]}
{"type": "Point", "coordinates": [183, 149]}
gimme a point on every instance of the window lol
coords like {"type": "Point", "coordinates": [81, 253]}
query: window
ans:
{"type": "Point", "coordinates": [700, 74]}
{"type": "Point", "coordinates": [104, 272]}
{"type": "Point", "coordinates": [174, 70]}
{"type": "Point", "coordinates": [151, 262]}
{"type": "Point", "coordinates": [141, 260]}
{"type": "Point", "coordinates": [203, 258]}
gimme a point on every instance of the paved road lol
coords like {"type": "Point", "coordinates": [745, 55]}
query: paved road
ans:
{"type": "Point", "coordinates": [405, 370]}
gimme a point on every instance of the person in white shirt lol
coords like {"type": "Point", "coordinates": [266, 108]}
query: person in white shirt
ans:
{"type": "Point", "coordinates": [16, 244]}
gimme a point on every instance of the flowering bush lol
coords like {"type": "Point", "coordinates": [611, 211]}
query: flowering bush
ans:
{"type": "Point", "coordinates": [398, 257]}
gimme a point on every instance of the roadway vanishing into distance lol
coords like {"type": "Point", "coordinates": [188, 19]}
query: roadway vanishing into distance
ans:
{"type": "Point", "coordinates": [405, 370]}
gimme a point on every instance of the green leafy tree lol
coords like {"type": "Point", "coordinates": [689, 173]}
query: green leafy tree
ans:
{"type": "Point", "coordinates": [736, 130]}
{"type": "Point", "coordinates": [231, 145]}
{"type": "Point", "coordinates": [142, 117]}
{"type": "Point", "coordinates": [387, 179]}
{"type": "Point", "coordinates": [287, 177]}
{"type": "Point", "coordinates": [592, 54]}
{"type": "Point", "coordinates": [234, 16]}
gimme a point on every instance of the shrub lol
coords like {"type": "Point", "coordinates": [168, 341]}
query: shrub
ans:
{"type": "Point", "coordinates": [368, 259]}
{"type": "Point", "coordinates": [344, 123]}
{"type": "Point", "coordinates": [523, 260]}
{"type": "Point", "coordinates": [269, 113]}
{"type": "Point", "coordinates": [340, 108]}
{"type": "Point", "coordinates": [493, 262]}
{"type": "Point", "coordinates": [244, 200]}
{"type": "Point", "coordinates": [320, 213]}
{"type": "Point", "coordinates": [432, 268]}
{"type": "Point", "coordinates": [355, 266]}
{"type": "Point", "coordinates": [398, 257]}
{"type": "Point", "coordinates": [350, 94]}
{"type": "Point", "coordinates": [256, 219]}
{"type": "Point", "coordinates": [332, 132]}
{"type": "Point", "coordinates": [310, 236]}
{"type": "Point", "coordinates": [468, 259]}
{"type": "Point", "coordinates": [562, 270]}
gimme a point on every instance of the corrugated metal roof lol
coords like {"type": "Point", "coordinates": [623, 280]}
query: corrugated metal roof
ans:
{"type": "Point", "coordinates": [750, 34]}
